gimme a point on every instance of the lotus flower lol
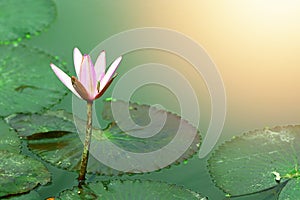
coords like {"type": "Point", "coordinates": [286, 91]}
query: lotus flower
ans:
{"type": "Point", "coordinates": [91, 82]}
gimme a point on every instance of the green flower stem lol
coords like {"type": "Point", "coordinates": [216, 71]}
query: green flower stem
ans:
{"type": "Point", "coordinates": [85, 153]}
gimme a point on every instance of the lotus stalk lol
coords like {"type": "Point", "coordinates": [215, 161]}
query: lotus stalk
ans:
{"type": "Point", "coordinates": [90, 84]}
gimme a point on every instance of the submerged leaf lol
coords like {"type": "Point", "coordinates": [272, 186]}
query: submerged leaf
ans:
{"type": "Point", "coordinates": [27, 84]}
{"type": "Point", "coordinates": [20, 174]}
{"type": "Point", "coordinates": [130, 190]}
{"type": "Point", "coordinates": [249, 163]}
{"type": "Point", "coordinates": [23, 19]}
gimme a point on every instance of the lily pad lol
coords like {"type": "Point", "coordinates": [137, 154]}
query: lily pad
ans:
{"type": "Point", "coordinates": [253, 161]}
{"type": "Point", "coordinates": [291, 190]}
{"type": "Point", "coordinates": [27, 83]}
{"type": "Point", "coordinates": [9, 140]}
{"type": "Point", "coordinates": [33, 195]}
{"type": "Point", "coordinates": [140, 116]}
{"type": "Point", "coordinates": [19, 20]}
{"type": "Point", "coordinates": [54, 138]}
{"type": "Point", "coordinates": [266, 194]}
{"type": "Point", "coordinates": [20, 173]}
{"type": "Point", "coordinates": [156, 137]}
{"type": "Point", "coordinates": [130, 190]}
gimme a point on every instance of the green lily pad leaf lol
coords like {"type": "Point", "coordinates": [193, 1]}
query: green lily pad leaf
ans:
{"type": "Point", "coordinates": [27, 83]}
{"type": "Point", "coordinates": [291, 190]}
{"type": "Point", "coordinates": [33, 195]}
{"type": "Point", "coordinates": [153, 129]}
{"type": "Point", "coordinates": [140, 116]}
{"type": "Point", "coordinates": [265, 194]}
{"type": "Point", "coordinates": [33, 125]}
{"type": "Point", "coordinates": [130, 190]}
{"type": "Point", "coordinates": [258, 160]}
{"type": "Point", "coordinates": [20, 174]}
{"type": "Point", "coordinates": [54, 138]}
{"type": "Point", "coordinates": [19, 20]}
{"type": "Point", "coordinates": [9, 140]}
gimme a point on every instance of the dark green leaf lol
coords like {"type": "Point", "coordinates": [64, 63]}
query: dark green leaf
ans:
{"type": "Point", "coordinates": [33, 195]}
{"type": "Point", "coordinates": [247, 163]}
{"type": "Point", "coordinates": [9, 140]}
{"type": "Point", "coordinates": [54, 138]}
{"type": "Point", "coordinates": [27, 83]}
{"type": "Point", "coordinates": [130, 190]}
{"type": "Point", "coordinates": [20, 173]}
{"type": "Point", "coordinates": [23, 19]}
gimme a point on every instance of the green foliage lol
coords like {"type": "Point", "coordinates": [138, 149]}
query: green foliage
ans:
{"type": "Point", "coordinates": [22, 19]}
{"type": "Point", "coordinates": [130, 190]}
{"type": "Point", "coordinates": [249, 163]}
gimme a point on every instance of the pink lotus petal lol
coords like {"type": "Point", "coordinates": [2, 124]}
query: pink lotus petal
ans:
{"type": "Point", "coordinates": [110, 72]}
{"type": "Point", "coordinates": [88, 76]}
{"type": "Point", "coordinates": [105, 88]}
{"type": "Point", "coordinates": [77, 57]}
{"type": "Point", "coordinates": [100, 66]}
{"type": "Point", "coordinates": [64, 78]}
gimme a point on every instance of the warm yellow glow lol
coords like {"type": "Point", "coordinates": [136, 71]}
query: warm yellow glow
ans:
{"type": "Point", "coordinates": [266, 16]}
{"type": "Point", "coordinates": [256, 45]}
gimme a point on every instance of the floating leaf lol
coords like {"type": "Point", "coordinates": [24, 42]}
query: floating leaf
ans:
{"type": "Point", "coordinates": [249, 163]}
{"type": "Point", "coordinates": [19, 20]}
{"type": "Point", "coordinates": [130, 190]}
{"type": "Point", "coordinates": [54, 138]}
{"type": "Point", "coordinates": [162, 130]}
{"type": "Point", "coordinates": [39, 124]}
{"type": "Point", "coordinates": [33, 195]}
{"type": "Point", "coordinates": [20, 173]}
{"type": "Point", "coordinates": [27, 83]}
{"type": "Point", "coordinates": [291, 190]}
{"type": "Point", "coordinates": [266, 194]}
{"type": "Point", "coordinates": [9, 140]}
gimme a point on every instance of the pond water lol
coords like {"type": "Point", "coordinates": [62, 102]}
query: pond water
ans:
{"type": "Point", "coordinates": [85, 24]}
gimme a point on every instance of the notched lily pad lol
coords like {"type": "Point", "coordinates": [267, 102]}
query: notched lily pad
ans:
{"type": "Point", "coordinates": [27, 83]}
{"type": "Point", "coordinates": [20, 20]}
{"type": "Point", "coordinates": [145, 138]}
{"type": "Point", "coordinates": [130, 190]}
{"type": "Point", "coordinates": [20, 174]}
{"type": "Point", "coordinates": [162, 129]}
{"type": "Point", "coordinates": [258, 160]}
{"type": "Point", "coordinates": [54, 138]}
